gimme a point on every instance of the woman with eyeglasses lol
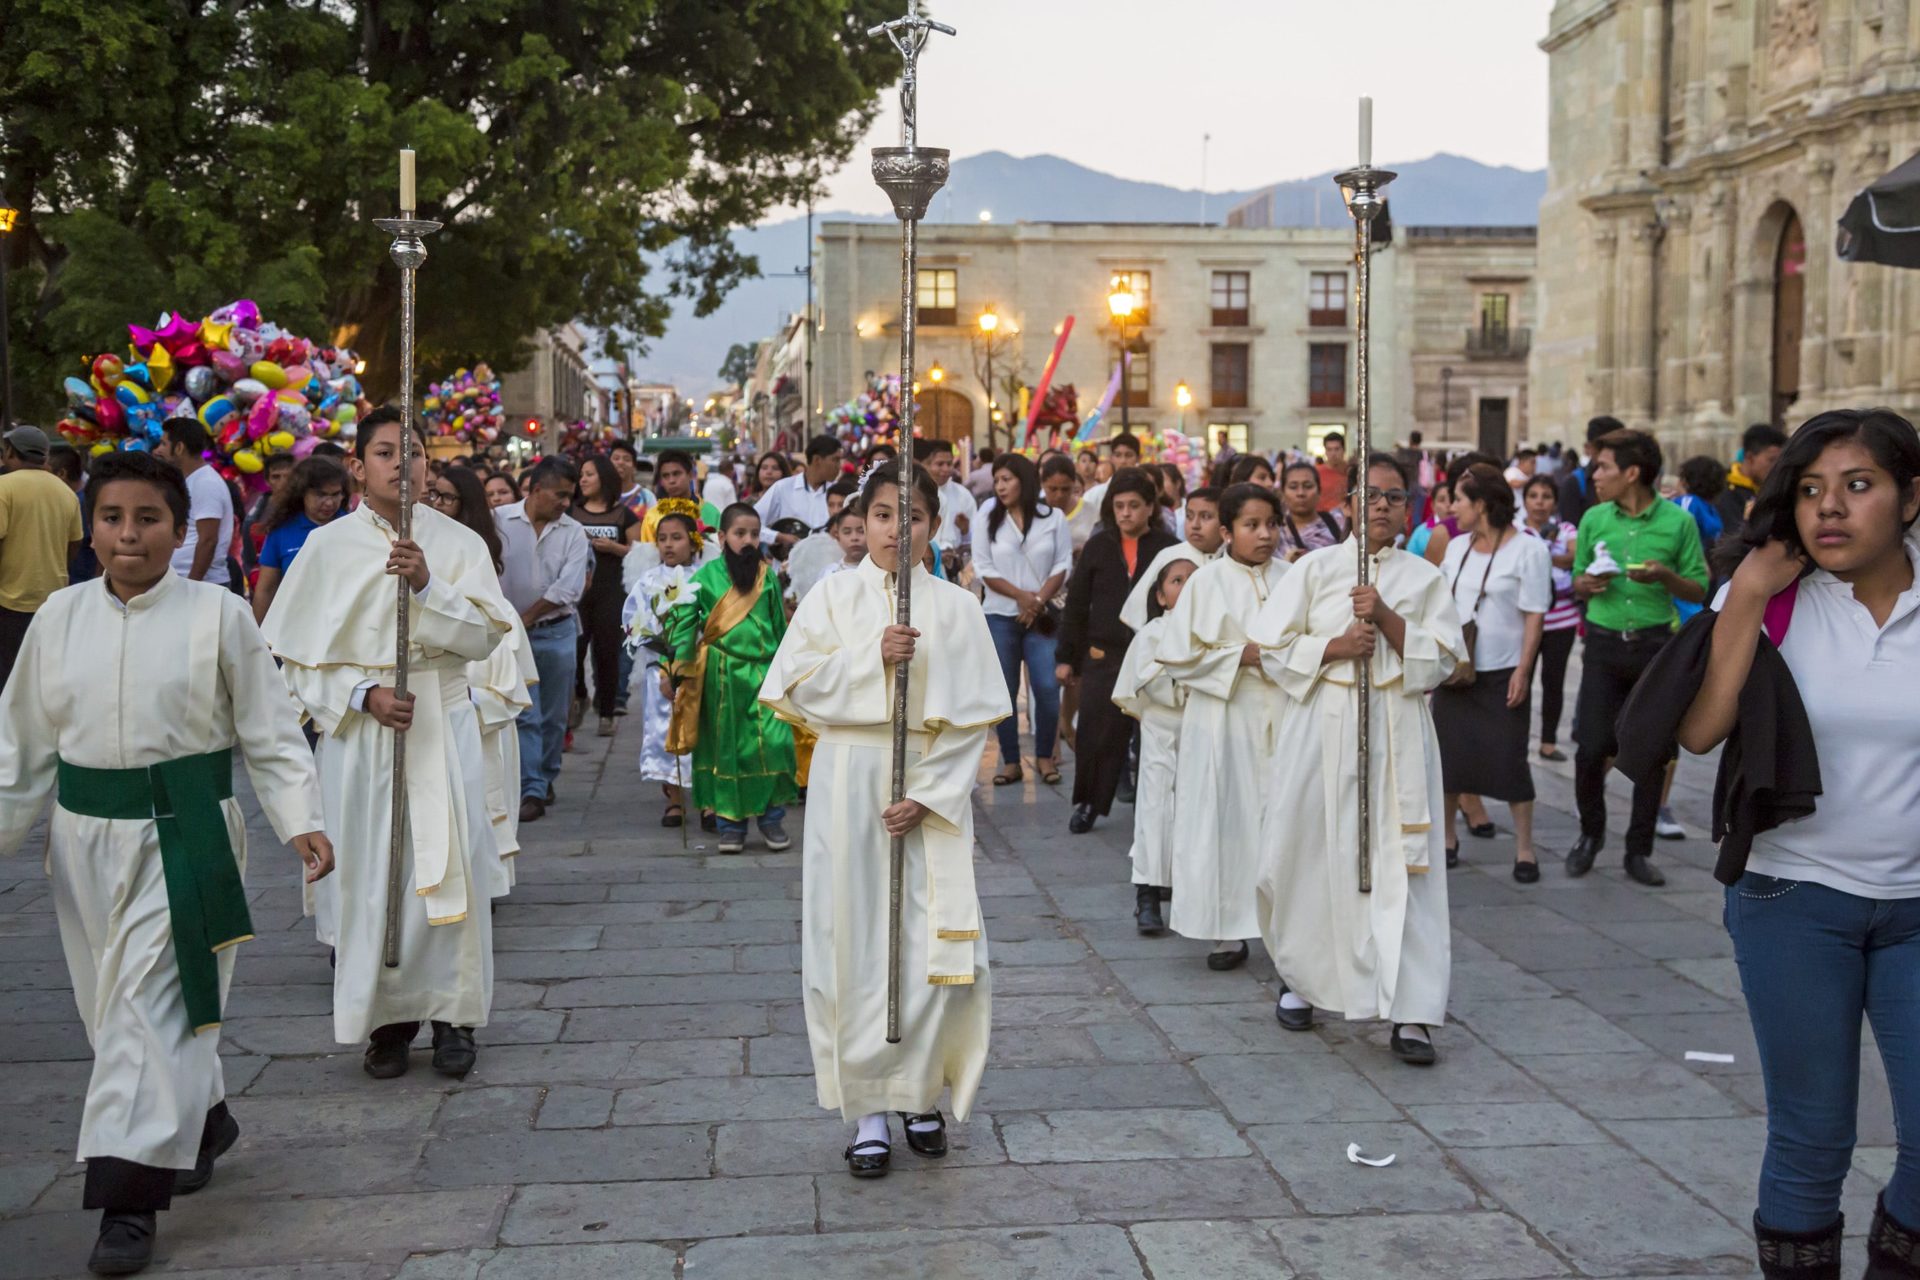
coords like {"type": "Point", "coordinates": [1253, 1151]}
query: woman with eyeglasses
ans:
{"type": "Point", "coordinates": [611, 532]}
{"type": "Point", "coordinates": [312, 495]}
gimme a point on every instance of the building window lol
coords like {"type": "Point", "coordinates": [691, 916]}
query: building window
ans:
{"type": "Point", "coordinates": [1138, 390]}
{"type": "Point", "coordinates": [1493, 312]}
{"type": "Point", "coordinates": [1327, 375]}
{"type": "Point", "coordinates": [1317, 433]}
{"type": "Point", "coordinates": [1230, 291]}
{"type": "Point", "coordinates": [938, 300]}
{"type": "Point", "coordinates": [1327, 299]}
{"type": "Point", "coordinates": [1236, 435]}
{"type": "Point", "coordinates": [1229, 375]}
{"type": "Point", "coordinates": [1140, 285]}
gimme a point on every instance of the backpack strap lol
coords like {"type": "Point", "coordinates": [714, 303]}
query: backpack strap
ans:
{"type": "Point", "coordinates": [1779, 614]}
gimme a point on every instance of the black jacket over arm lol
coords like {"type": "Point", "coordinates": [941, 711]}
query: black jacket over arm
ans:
{"type": "Point", "coordinates": [1769, 769]}
{"type": "Point", "coordinates": [1096, 592]}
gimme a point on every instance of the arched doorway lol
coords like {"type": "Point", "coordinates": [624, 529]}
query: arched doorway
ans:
{"type": "Point", "coordinates": [1789, 304]}
{"type": "Point", "coordinates": [944, 415]}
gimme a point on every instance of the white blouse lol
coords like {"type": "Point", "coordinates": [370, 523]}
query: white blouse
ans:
{"type": "Point", "coordinates": [1520, 582]}
{"type": "Point", "coordinates": [1024, 562]}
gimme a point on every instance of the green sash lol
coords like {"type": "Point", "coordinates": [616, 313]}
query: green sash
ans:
{"type": "Point", "coordinates": [205, 897]}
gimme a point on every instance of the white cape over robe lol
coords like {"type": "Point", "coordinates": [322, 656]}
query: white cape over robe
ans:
{"type": "Point", "coordinates": [1226, 747]}
{"type": "Point", "coordinates": [180, 671]}
{"type": "Point", "coordinates": [828, 677]}
{"type": "Point", "coordinates": [500, 687]}
{"type": "Point", "coordinates": [332, 624]}
{"type": "Point", "coordinates": [1145, 691]}
{"type": "Point", "coordinates": [1384, 954]}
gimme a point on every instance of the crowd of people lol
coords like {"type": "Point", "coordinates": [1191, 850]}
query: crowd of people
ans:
{"type": "Point", "coordinates": [1197, 648]}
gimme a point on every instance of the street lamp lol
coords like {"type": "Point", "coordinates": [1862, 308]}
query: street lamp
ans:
{"type": "Point", "coordinates": [1121, 304]}
{"type": "Point", "coordinates": [989, 323]}
{"type": "Point", "coordinates": [1183, 397]}
{"type": "Point", "coordinates": [8, 215]}
{"type": "Point", "coordinates": [936, 375]}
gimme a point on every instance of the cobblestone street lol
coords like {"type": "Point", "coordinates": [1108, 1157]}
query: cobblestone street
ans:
{"type": "Point", "coordinates": [643, 1105]}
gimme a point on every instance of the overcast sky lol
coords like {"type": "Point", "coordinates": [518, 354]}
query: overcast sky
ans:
{"type": "Point", "coordinates": [1130, 86]}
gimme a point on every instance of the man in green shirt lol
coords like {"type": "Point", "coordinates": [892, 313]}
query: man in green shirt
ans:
{"type": "Point", "coordinates": [1637, 553]}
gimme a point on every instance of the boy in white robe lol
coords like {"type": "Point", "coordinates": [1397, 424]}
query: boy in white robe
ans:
{"type": "Point", "coordinates": [655, 592]}
{"type": "Point", "coordinates": [833, 674]}
{"type": "Point", "coordinates": [1386, 953]}
{"type": "Point", "coordinates": [332, 625]}
{"type": "Point", "coordinates": [1226, 730]}
{"type": "Point", "coordinates": [130, 695]}
{"type": "Point", "coordinates": [501, 689]}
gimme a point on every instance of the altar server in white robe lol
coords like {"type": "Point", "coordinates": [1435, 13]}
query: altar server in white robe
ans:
{"type": "Point", "coordinates": [1144, 690]}
{"type": "Point", "coordinates": [129, 698]}
{"type": "Point", "coordinates": [1226, 730]}
{"type": "Point", "coordinates": [1384, 954]}
{"type": "Point", "coordinates": [833, 674]}
{"type": "Point", "coordinates": [500, 687]}
{"type": "Point", "coordinates": [332, 625]}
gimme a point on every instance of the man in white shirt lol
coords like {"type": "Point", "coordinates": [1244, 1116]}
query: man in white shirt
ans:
{"type": "Point", "coordinates": [545, 560]}
{"type": "Point", "coordinates": [801, 496]}
{"type": "Point", "coordinates": [203, 556]}
{"type": "Point", "coordinates": [957, 507]}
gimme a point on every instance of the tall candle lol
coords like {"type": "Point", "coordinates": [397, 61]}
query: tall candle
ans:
{"type": "Point", "coordinates": [406, 180]}
{"type": "Point", "coordinates": [1366, 133]}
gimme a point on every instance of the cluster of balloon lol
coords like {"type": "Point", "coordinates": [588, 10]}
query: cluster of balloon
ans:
{"type": "Point", "coordinates": [583, 439]}
{"type": "Point", "coordinates": [869, 416]}
{"type": "Point", "coordinates": [259, 389]}
{"type": "Point", "coordinates": [466, 405]}
{"type": "Point", "coordinates": [1177, 448]}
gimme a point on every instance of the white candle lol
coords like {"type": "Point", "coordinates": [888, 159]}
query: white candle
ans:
{"type": "Point", "coordinates": [1366, 133]}
{"type": "Point", "coordinates": [406, 180]}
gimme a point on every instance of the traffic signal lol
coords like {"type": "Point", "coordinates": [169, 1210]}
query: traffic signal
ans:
{"type": "Point", "coordinates": [533, 426]}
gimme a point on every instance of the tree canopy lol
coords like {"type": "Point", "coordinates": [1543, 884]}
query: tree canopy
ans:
{"type": "Point", "coordinates": [181, 153]}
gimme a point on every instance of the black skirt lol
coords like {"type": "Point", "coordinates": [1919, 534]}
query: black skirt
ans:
{"type": "Point", "coordinates": [1483, 741]}
{"type": "Point", "coordinates": [1101, 736]}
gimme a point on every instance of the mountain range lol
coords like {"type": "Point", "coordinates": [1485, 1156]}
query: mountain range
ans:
{"type": "Point", "coordinates": [1442, 190]}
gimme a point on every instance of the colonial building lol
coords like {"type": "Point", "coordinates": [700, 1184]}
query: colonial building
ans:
{"type": "Point", "coordinates": [1700, 153]}
{"type": "Point", "coordinates": [1461, 333]}
{"type": "Point", "coordinates": [556, 388]}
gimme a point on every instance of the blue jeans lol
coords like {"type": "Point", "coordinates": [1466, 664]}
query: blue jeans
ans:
{"type": "Point", "coordinates": [1813, 961]}
{"type": "Point", "coordinates": [771, 818]}
{"type": "Point", "coordinates": [1014, 644]}
{"type": "Point", "coordinates": [543, 726]}
{"type": "Point", "coordinates": [626, 678]}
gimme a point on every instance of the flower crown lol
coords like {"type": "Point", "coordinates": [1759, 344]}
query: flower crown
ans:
{"type": "Point", "coordinates": [682, 507]}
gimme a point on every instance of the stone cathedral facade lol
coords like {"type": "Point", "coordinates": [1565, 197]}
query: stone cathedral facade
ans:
{"type": "Point", "coordinates": [1700, 155]}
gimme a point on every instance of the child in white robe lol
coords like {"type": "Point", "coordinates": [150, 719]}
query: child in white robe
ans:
{"type": "Point", "coordinates": [662, 588]}
{"type": "Point", "coordinates": [1386, 953]}
{"type": "Point", "coordinates": [501, 688]}
{"type": "Point", "coordinates": [1226, 730]}
{"type": "Point", "coordinates": [129, 696]}
{"type": "Point", "coordinates": [833, 674]}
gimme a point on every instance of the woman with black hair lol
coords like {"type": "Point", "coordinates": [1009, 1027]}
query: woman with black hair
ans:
{"type": "Point", "coordinates": [459, 494]}
{"type": "Point", "coordinates": [1304, 526]}
{"type": "Point", "coordinates": [1250, 468]}
{"type": "Point", "coordinates": [1093, 640]}
{"type": "Point", "coordinates": [502, 489]}
{"type": "Point", "coordinates": [313, 495]}
{"type": "Point", "coordinates": [1825, 911]}
{"type": "Point", "coordinates": [772, 467]}
{"type": "Point", "coordinates": [611, 532]}
{"type": "Point", "coordinates": [1023, 552]}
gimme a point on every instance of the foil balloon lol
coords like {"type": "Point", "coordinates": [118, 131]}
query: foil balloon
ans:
{"type": "Point", "coordinates": [269, 373]}
{"type": "Point", "coordinates": [79, 391]}
{"type": "Point", "coordinates": [107, 370]}
{"type": "Point", "coordinates": [200, 382]}
{"type": "Point", "coordinates": [248, 390]}
{"type": "Point", "coordinates": [216, 411]}
{"type": "Point", "coordinates": [247, 462]}
{"type": "Point", "coordinates": [228, 366]}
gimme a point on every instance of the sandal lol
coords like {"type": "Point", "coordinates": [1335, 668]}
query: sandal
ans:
{"type": "Point", "coordinates": [1050, 773]}
{"type": "Point", "coordinates": [929, 1142]}
{"type": "Point", "coordinates": [1005, 779]}
{"type": "Point", "coordinates": [674, 816]}
{"type": "Point", "coordinates": [869, 1159]}
{"type": "Point", "coordinates": [1485, 831]}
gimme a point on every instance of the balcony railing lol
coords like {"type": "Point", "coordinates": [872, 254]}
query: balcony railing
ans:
{"type": "Point", "coordinates": [1498, 344]}
{"type": "Point", "coordinates": [1327, 317]}
{"type": "Point", "coordinates": [1230, 317]}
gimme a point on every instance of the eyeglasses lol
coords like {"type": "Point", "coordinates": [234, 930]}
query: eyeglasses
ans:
{"type": "Point", "coordinates": [443, 498]}
{"type": "Point", "coordinates": [1392, 497]}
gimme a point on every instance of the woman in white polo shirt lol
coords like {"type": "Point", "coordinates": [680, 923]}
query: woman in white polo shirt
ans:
{"type": "Point", "coordinates": [1023, 551]}
{"type": "Point", "coordinates": [1825, 919]}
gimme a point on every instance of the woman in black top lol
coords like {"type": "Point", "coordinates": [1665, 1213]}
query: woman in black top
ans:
{"type": "Point", "coordinates": [611, 532]}
{"type": "Point", "coordinates": [1093, 640]}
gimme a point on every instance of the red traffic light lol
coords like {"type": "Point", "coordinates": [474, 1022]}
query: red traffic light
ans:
{"type": "Point", "coordinates": [533, 426]}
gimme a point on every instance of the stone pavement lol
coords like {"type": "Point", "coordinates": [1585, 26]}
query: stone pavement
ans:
{"type": "Point", "coordinates": [643, 1105]}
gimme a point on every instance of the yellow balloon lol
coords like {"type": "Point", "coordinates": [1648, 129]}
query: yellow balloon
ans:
{"type": "Point", "coordinates": [216, 336]}
{"type": "Point", "coordinates": [279, 441]}
{"type": "Point", "coordinates": [247, 461]}
{"type": "Point", "coordinates": [270, 373]}
{"type": "Point", "coordinates": [101, 447]}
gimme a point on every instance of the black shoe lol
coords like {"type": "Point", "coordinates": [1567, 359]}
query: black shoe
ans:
{"type": "Point", "coordinates": [1146, 911]}
{"type": "Point", "coordinates": [1224, 960]}
{"type": "Point", "coordinates": [1485, 831]}
{"type": "Point", "coordinates": [930, 1142]}
{"type": "Point", "coordinates": [1416, 1053]}
{"type": "Point", "coordinates": [125, 1244]}
{"type": "Point", "coordinates": [453, 1051]}
{"type": "Point", "coordinates": [1580, 857]}
{"type": "Point", "coordinates": [387, 1050]}
{"type": "Point", "coordinates": [1082, 820]}
{"type": "Point", "coordinates": [1893, 1251]}
{"type": "Point", "coordinates": [1526, 872]}
{"type": "Point", "coordinates": [532, 809]}
{"type": "Point", "coordinates": [1804, 1255]}
{"type": "Point", "coordinates": [1453, 856]}
{"type": "Point", "coordinates": [869, 1159]}
{"type": "Point", "coordinates": [1640, 870]}
{"type": "Point", "coordinates": [224, 1132]}
{"type": "Point", "coordinates": [1293, 1019]}
{"type": "Point", "coordinates": [709, 822]}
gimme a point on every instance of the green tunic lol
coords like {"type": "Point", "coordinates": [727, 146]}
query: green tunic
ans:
{"type": "Point", "coordinates": [743, 764]}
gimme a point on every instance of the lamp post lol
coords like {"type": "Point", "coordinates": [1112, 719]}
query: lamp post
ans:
{"type": "Point", "coordinates": [989, 323]}
{"type": "Point", "coordinates": [1446, 401]}
{"type": "Point", "coordinates": [8, 214]}
{"type": "Point", "coordinates": [1183, 397]}
{"type": "Point", "coordinates": [1121, 304]}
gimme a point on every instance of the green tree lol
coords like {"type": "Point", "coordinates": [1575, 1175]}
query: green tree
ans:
{"type": "Point", "coordinates": [588, 159]}
{"type": "Point", "coordinates": [738, 366]}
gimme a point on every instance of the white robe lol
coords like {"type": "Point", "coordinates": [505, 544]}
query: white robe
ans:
{"type": "Point", "coordinates": [1226, 747]}
{"type": "Point", "coordinates": [1145, 691]}
{"type": "Point", "coordinates": [1384, 954]}
{"type": "Point", "coordinates": [500, 687]}
{"type": "Point", "coordinates": [180, 671]}
{"type": "Point", "coordinates": [828, 677]}
{"type": "Point", "coordinates": [658, 590]}
{"type": "Point", "coordinates": [332, 624]}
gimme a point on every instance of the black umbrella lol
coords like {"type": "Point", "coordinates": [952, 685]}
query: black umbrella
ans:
{"type": "Point", "coordinates": [1883, 222]}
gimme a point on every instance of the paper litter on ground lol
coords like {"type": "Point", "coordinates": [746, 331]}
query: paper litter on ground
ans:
{"type": "Point", "coordinates": [1353, 1154]}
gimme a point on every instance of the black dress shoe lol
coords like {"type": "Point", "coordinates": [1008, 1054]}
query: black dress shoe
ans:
{"type": "Point", "coordinates": [869, 1159]}
{"type": "Point", "coordinates": [226, 1130]}
{"type": "Point", "coordinates": [1453, 856]}
{"type": "Point", "coordinates": [125, 1244]}
{"type": "Point", "coordinates": [1415, 1053]}
{"type": "Point", "coordinates": [387, 1050]}
{"type": "Point", "coordinates": [1146, 911]}
{"type": "Point", "coordinates": [532, 809]}
{"type": "Point", "coordinates": [453, 1051]}
{"type": "Point", "coordinates": [1300, 1019]}
{"type": "Point", "coordinates": [1223, 960]}
{"type": "Point", "coordinates": [1485, 831]}
{"type": "Point", "coordinates": [1640, 870]}
{"type": "Point", "coordinates": [1526, 872]}
{"type": "Point", "coordinates": [1082, 820]}
{"type": "Point", "coordinates": [930, 1142]}
{"type": "Point", "coordinates": [1580, 857]}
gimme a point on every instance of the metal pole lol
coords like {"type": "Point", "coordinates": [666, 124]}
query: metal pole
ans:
{"type": "Point", "coordinates": [807, 407]}
{"type": "Point", "coordinates": [409, 250]}
{"type": "Point", "coordinates": [910, 175]}
{"type": "Point", "coordinates": [1362, 187]}
{"type": "Point", "coordinates": [6, 342]}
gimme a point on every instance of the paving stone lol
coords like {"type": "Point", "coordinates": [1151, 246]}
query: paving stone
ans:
{"type": "Point", "coordinates": [569, 1106]}
{"type": "Point", "coordinates": [710, 1100]}
{"type": "Point", "coordinates": [1158, 982]}
{"type": "Point", "coordinates": [633, 1154]}
{"type": "Point", "coordinates": [1049, 1088]}
{"type": "Point", "coordinates": [707, 933]}
{"type": "Point", "coordinates": [669, 1022]}
{"type": "Point", "coordinates": [1311, 1160]}
{"type": "Point", "coordinates": [1216, 1250]}
{"type": "Point", "coordinates": [552, 965]}
{"type": "Point", "coordinates": [1548, 1026]}
{"type": "Point", "coordinates": [211, 1231]}
{"type": "Point", "coordinates": [1112, 1133]}
{"type": "Point", "coordinates": [601, 1212]}
{"type": "Point", "coordinates": [1030, 980]}
{"type": "Point", "coordinates": [557, 937]}
{"type": "Point", "coordinates": [696, 891]}
{"type": "Point", "coordinates": [371, 1164]}
{"type": "Point", "coordinates": [1642, 989]}
{"type": "Point", "coordinates": [1505, 1124]}
{"type": "Point", "coordinates": [692, 989]}
{"type": "Point", "coordinates": [23, 1179]}
{"type": "Point", "coordinates": [1630, 1087]}
{"type": "Point", "coordinates": [1051, 1011]}
{"type": "Point", "coordinates": [1279, 1089]}
{"type": "Point", "coordinates": [550, 1262]}
{"type": "Point", "coordinates": [556, 1063]}
{"type": "Point", "coordinates": [335, 1117]}
{"type": "Point", "coordinates": [1468, 1070]}
{"type": "Point", "coordinates": [1461, 1246]}
{"type": "Point", "coordinates": [747, 1148]}
{"type": "Point", "coordinates": [1216, 1029]}
{"type": "Point", "coordinates": [1038, 951]}
{"type": "Point", "coordinates": [1130, 1042]}
{"type": "Point", "coordinates": [501, 1110]}
{"type": "Point", "coordinates": [1041, 1047]}
{"type": "Point", "coordinates": [779, 1056]}
{"type": "Point", "coordinates": [1058, 1253]}
{"type": "Point", "coordinates": [1131, 1191]}
{"type": "Point", "coordinates": [1666, 940]}
{"type": "Point", "coordinates": [779, 958]}
{"type": "Point", "coordinates": [1720, 976]}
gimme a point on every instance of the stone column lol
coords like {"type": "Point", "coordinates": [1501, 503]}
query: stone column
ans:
{"type": "Point", "coordinates": [1816, 219]}
{"type": "Point", "coordinates": [1601, 378]}
{"type": "Point", "coordinates": [1637, 321]}
{"type": "Point", "coordinates": [1715, 315]}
